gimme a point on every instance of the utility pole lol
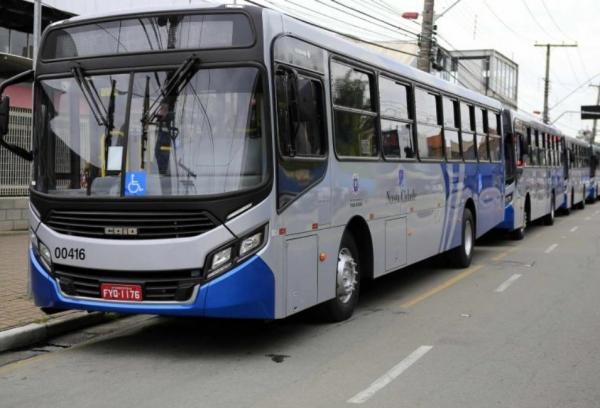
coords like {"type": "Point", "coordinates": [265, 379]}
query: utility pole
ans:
{"type": "Point", "coordinates": [37, 28]}
{"type": "Point", "coordinates": [594, 126]}
{"type": "Point", "coordinates": [546, 116]}
{"type": "Point", "coordinates": [424, 60]}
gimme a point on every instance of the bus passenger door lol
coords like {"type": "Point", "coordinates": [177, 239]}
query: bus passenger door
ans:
{"type": "Point", "coordinates": [303, 185]}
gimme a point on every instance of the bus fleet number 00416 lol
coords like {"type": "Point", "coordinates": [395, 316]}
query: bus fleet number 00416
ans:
{"type": "Point", "coordinates": [69, 253]}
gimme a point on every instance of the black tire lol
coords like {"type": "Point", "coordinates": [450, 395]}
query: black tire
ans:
{"type": "Point", "coordinates": [342, 306]}
{"type": "Point", "coordinates": [461, 256]}
{"type": "Point", "coordinates": [518, 234]}
{"type": "Point", "coordinates": [549, 218]}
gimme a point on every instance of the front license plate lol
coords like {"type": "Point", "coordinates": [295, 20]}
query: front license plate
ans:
{"type": "Point", "coordinates": [117, 291]}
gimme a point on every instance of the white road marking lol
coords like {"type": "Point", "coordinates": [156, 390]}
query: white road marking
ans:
{"type": "Point", "coordinates": [388, 377]}
{"type": "Point", "coordinates": [588, 218]}
{"type": "Point", "coordinates": [507, 283]}
{"type": "Point", "coordinates": [596, 212]}
{"type": "Point", "coordinates": [551, 248]}
{"type": "Point", "coordinates": [573, 229]}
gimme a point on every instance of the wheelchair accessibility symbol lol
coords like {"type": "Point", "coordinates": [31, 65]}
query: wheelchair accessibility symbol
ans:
{"type": "Point", "coordinates": [135, 183]}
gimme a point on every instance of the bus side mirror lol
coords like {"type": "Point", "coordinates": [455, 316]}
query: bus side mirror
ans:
{"type": "Point", "coordinates": [4, 113]}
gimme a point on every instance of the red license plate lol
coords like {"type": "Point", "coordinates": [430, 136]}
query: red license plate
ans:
{"type": "Point", "coordinates": [117, 291]}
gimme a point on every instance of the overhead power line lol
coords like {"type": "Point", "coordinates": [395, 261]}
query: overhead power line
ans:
{"type": "Point", "coordinates": [304, 11]}
{"type": "Point", "coordinates": [394, 28]}
{"type": "Point", "coordinates": [375, 18]}
{"type": "Point", "coordinates": [502, 21]}
{"type": "Point", "coordinates": [535, 20]}
{"type": "Point", "coordinates": [331, 30]}
{"type": "Point", "coordinates": [584, 83]}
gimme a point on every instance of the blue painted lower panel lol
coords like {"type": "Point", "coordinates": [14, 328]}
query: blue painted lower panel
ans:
{"type": "Point", "coordinates": [247, 292]}
{"type": "Point", "coordinates": [509, 218]}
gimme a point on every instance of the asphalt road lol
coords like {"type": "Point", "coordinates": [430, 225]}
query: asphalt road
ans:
{"type": "Point", "coordinates": [519, 328]}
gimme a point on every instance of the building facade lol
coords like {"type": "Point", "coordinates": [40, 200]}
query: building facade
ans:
{"type": "Point", "coordinates": [16, 51]}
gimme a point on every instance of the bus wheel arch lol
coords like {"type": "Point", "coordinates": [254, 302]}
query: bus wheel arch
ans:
{"type": "Point", "coordinates": [359, 228]}
{"type": "Point", "coordinates": [354, 265]}
{"type": "Point", "coordinates": [461, 256]}
{"type": "Point", "coordinates": [470, 204]}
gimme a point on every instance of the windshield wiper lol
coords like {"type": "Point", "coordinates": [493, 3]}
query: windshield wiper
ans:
{"type": "Point", "coordinates": [105, 117]}
{"type": "Point", "coordinates": [89, 97]}
{"type": "Point", "coordinates": [178, 79]}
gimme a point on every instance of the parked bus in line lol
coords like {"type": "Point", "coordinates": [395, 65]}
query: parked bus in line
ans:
{"type": "Point", "coordinates": [535, 172]}
{"type": "Point", "coordinates": [593, 193]}
{"type": "Point", "coordinates": [236, 162]}
{"type": "Point", "coordinates": [577, 173]}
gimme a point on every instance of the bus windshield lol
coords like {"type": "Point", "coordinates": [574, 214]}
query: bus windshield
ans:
{"type": "Point", "coordinates": [146, 134]}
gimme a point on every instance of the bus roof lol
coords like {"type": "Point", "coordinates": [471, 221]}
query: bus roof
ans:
{"type": "Point", "coordinates": [319, 36]}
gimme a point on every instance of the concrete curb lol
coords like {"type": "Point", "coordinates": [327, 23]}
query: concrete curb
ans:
{"type": "Point", "coordinates": [37, 332]}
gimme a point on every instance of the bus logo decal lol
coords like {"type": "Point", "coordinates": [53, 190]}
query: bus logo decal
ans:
{"type": "Point", "coordinates": [120, 231]}
{"type": "Point", "coordinates": [355, 186]}
{"type": "Point", "coordinates": [400, 177]}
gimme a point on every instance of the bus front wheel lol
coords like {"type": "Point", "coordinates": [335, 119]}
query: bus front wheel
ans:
{"type": "Point", "coordinates": [461, 256]}
{"type": "Point", "coordinates": [347, 282]}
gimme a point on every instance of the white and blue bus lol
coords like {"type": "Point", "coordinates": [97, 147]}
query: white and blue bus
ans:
{"type": "Point", "coordinates": [536, 172]}
{"type": "Point", "coordinates": [236, 162]}
{"type": "Point", "coordinates": [593, 193]}
{"type": "Point", "coordinates": [577, 173]}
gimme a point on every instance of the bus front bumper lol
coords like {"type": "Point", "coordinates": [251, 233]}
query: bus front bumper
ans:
{"type": "Point", "coordinates": [245, 292]}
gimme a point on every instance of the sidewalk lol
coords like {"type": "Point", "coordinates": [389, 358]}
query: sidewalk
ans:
{"type": "Point", "coordinates": [16, 309]}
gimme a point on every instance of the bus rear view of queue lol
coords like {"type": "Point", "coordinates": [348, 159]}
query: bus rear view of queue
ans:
{"type": "Point", "coordinates": [235, 162]}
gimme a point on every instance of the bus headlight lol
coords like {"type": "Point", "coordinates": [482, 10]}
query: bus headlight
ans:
{"type": "Point", "coordinates": [223, 258]}
{"type": "Point", "coordinates": [40, 250]}
{"type": "Point", "coordinates": [508, 198]}
{"type": "Point", "coordinates": [45, 255]}
{"type": "Point", "coordinates": [251, 243]}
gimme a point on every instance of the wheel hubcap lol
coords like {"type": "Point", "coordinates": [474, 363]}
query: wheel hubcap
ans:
{"type": "Point", "coordinates": [468, 238]}
{"type": "Point", "coordinates": [347, 274]}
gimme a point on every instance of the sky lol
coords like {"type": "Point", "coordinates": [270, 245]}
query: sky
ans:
{"type": "Point", "coordinates": [512, 27]}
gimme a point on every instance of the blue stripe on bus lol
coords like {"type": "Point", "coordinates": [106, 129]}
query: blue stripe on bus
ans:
{"type": "Point", "coordinates": [247, 291]}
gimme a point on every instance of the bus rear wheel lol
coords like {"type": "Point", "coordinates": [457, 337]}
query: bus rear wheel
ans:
{"type": "Point", "coordinates": [461, 256]}
{"type": "Point", "coordinates": [347, 283]}
{"type": "Point", "coordinates": [549, 218]}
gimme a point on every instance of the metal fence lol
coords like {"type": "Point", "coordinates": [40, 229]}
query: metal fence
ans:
{"type": "Point", "coordinates": [14, 171]}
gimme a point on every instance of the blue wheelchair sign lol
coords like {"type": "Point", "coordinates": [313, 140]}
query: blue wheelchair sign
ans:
{"type": "Point", "coordinates": [135, 183]}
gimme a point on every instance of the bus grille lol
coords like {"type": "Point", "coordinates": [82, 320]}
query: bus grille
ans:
{"type": "Point", "coordinates": [130, 225]}
{"type": "Point", "coordinates": [157, 286]}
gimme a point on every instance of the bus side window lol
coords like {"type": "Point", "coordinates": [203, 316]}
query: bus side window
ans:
{"type": "Point", "coordinates": [354, 113]}
{"type": "Point", "coordinates": [396, 123]}
{"type": "Point", "coordinates": [451, 129]}
{"type": "Point", "coordinates": [429, 129]}
{"type": "Point", "coordinates": [467, 134]}
{"type": "Point", "coordinates": [533, 147]}
{"type": "Point", "coordinates": [494, 139]}
{"type": "Point", "coordinates": [480, 129]}
{"type": "Point", "coordinates": [300, 115]}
